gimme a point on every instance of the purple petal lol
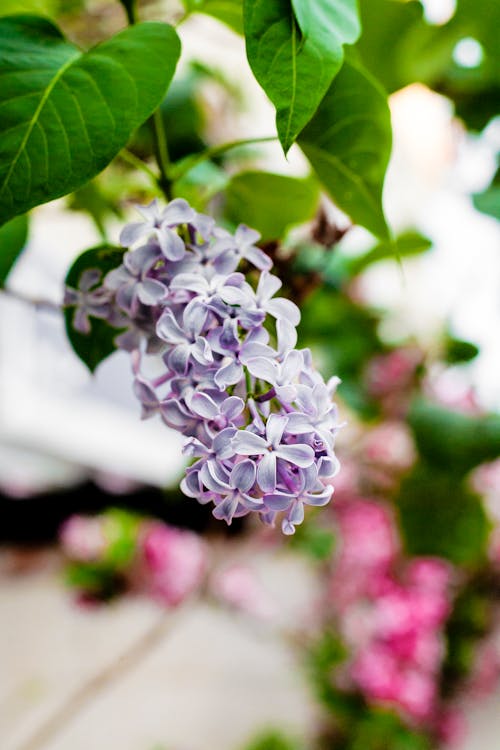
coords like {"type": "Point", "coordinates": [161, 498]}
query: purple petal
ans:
{"type": "Point", "coordinates": [133, 232]}
{"type": "Point", "coordinates": [278, 501]}
{"type": "Point", "coordinates": [291, 366]}
{"type": "Point", "coordinates": [177, 212]}
{"type": "Point", "coordinates": [299, 455]}
{"type": "Point", "coordinates": [222, 443]}
{"type": "Point", "coordinates": [268, 286]}
{"type": "Point", "coordinates": [246, 236]}
{"type": "Point", "coordinates": [201, 351]}
{"type": "Point", "coordinates": [172, 246]}
{"type": "Point", "coordinates": [226, 509]}
{"type": "Point", "coordinates": [284, 309]}
{"type": "Point", "coordinates": [299, 424]}
{"type": "Point", "coordinates": [151, 292]}
{"type": "Point", "coordinates": [287, 335]}
{"type": "Point", "coordinates": [169, 330]}
{"type": "Point", "coordinates": [262, 368]}
{"type": "Point", "coordinates": [230, 374]}
{"type": "Point", "coordinates": [266, 472]}
{"type": "Point", "coordinates": [258, 258]}
{"type": "Point", "coordinates": [178, 359]}
{"type": "Point", "coordinates": [275, 428]}
{"type": "Point", "coordinates": [203, 405]}
{"type": "Point", "coordinates": [247, 443]}
{"type": "Point", "coordinates": [319, 499]}
{"type": "Point", "coordinates": [173, 414]}
{"type": "Point", "coordinates": [243, 476]}
{"type": "Point", "coordinates": [232, 407]}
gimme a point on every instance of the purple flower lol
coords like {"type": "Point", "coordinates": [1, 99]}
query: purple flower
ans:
{"type": "Point", "coordinates": [89, 302]}
{"type": "Point", "coordinates": [259, 420]}
{"type": "Point", "coordinates": [271, 449]}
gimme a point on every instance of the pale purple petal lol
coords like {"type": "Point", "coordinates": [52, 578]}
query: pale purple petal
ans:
{"type": "Point", "coordinates": [300, 455]}
{"type": "Point", "coordinates": [299, 424]}
{"type": "Point", "coordinates": [246, 236]}
{"type": "Point", "coordinates": [282, 308]}
{"type": "Point", "coordinates": [232, 407]}
{"type": "Point", "coordinates": [278, 501]}
{"type": "Point", "coordinates": [263, 369]}
{"type": "Point", "coordinates": [230, 374]}
{"type": "Point", "coordinates": [268, 286]}
{"type": "Point", "coordinates": [258, 258]}
{"type": "Point", "coordinates": [275, 428]}
{"type": "Point", "coordinates": [287, 335]}
{"type": "Point", "coordinates": [172, 246]}
{"type": "Point", "coordinates": [151, 292]}
{"type": "Point", "coordinates": [133, 232]}
{"type": "Point", "coordinates": [243, 476]}
{"type": "Point", "coordinates": [178, 212]}
{"type": "Point", "coordinates": [169, 330]}
{"type": "Point", "coordinates": [203, 405]}
{"type": "Point", "coordinates": [266, 472]}
{"type": "Point", "coordinates": [246, 443]}
{"type": "Point", "coordinates": [291, 366]}
{"type": "Point", "coordinates": [320, 498]}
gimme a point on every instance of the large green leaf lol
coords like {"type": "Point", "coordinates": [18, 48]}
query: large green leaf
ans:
{"type": "Point", "coordinates": [295, 56]}
{"type": "Point", "coordinates": [64, 113]}
{"type": "Point", "coordinates": [439, 516]}
{"type": "Point", "coordinates": [348, 143]}
{"type": "Point", "coordinates": [92, 348]}
{"type": "Point", "coordinates": [13, 236]}
{"type": "Point", "coordinates": [453, 441]}
{"type": "Point", "coordinates": [270, 202]}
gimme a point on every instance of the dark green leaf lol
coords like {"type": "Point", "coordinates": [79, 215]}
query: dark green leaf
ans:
{"type": "Point", "coordinates": [13, 236]}
{"type": "Point", "coordinates": [64, 113]}
{"type": "Point", "coordinates": [270, 202]}
{"type": "Point", "coordinates": [295, 57]}
{"type": "Point", "coordinates": [92, 348]}
{"type": "Point", "coordinates": [348, 143]}
{"type": "Point", "coordinates": [457, 350]}
{"type": "Point", "coordinates": [439, 516]}
{"type": "Point", "coordinates": [454, 441]}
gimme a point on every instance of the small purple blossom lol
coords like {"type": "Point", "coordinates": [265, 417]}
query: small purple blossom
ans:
{"type": "Point", "coordinates": [259, 420]}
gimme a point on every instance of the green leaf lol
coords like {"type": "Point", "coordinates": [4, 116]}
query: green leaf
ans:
{"type": "Point", "coordinates": [439, 516]}
{"type": "Point", "coordinates": [295, 57]}
{"type": "Point", "coordinates": [348, 143]}
{"type": "Point", "coordinates": [457, 351]}
{"type": "Point", "coordinates": [13, 236]}
{"type": "Point", "coordinates": [488, 202]}
{"type": "Point", "coordinates": [92, 348]}
{"type": "Point", "coordinates": [270, 202]}
{"type": "Point", "coordinates": [46, 7]}
{"type": "Point", "coordinates": [453, 441]}
{"type": "Point", "coordinates": [229, 12]}
{"type": "Point", "coordinates": [65, 113]}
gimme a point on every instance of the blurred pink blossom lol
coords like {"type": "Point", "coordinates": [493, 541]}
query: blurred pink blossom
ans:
{"type": "Point", "coordinates": [174, 561]}
{"type": "Point", "coordinates": [390, 445]}
{"type": "Point", "coordinates": [83, 538]}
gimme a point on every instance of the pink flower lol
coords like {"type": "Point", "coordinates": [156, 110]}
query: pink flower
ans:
{"type": "Point", "coordinates": [429, 573]}
{"type": "Point", "coordinates": [83, 538]}
{"type": "Point", "coordinates": [417, 694]}
{"type": "Point", "coordinates": [368, 539]}
{"type": "Point", "coordinates": [390, 446]}
{"type": "Point", "coordinates": [452, 727]}
{"type": "Point", "coordinates": [376, 672]}
{"type": "Point", "coordinates": [174, 561]}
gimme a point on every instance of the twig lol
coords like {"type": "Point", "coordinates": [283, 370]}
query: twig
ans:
{"type": "Point", "coordinates": [39, 304]}
{"type": "Point", "coordinates": [90, 690]}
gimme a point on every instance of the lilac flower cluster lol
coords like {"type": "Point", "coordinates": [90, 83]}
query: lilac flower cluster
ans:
{"type": "Point", "coordinates": [259, 419]}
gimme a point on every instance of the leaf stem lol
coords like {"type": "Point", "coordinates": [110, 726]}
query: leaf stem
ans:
{"type": "Point", "coordinates": [161, 149]}
{"type": "Point", "coordinates": [137, 163]}
{"type": "Point", "coordinates": [131, 11]}
{"type": "Point", "coordinates": [180, 169]}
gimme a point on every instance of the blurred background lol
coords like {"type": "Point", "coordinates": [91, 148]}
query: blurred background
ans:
{"type": "Point", "coordinates": [376, 626]}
